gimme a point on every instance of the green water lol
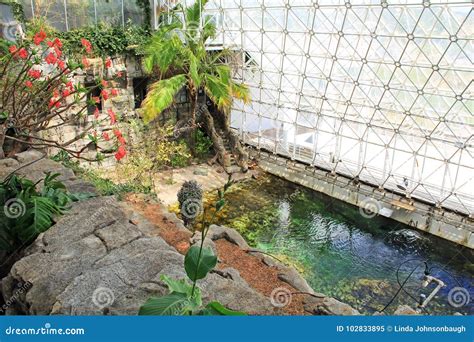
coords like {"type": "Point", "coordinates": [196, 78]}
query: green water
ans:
{"type": "Point", "coordinates": [344, 255]}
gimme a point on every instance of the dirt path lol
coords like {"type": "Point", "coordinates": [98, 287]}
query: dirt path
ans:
{"type": "Point", "coordinates": [261, 277]}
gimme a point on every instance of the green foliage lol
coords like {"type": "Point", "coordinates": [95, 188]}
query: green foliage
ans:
{"type": "Point", "coordinates": [104, 186]}
{"type": "Point", "coordinates": [106, 40]}
{"type": "Point", "coordinates": [199, 262]}
{"type": "Point", "coordinates": [145, 6]}
{"type": "Point", "coordinates": [185, 298]}
{"type": "Point", "coordinates": [28, 212]}
{"type": "Point", "coordinates": [203, 144]}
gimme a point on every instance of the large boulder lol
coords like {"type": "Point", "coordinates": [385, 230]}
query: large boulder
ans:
{"type": "Point", "coordinates": [102, 258]}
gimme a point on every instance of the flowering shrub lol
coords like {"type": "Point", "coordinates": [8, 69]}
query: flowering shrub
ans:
{"type": "Point", "coordinates": [39, 93]}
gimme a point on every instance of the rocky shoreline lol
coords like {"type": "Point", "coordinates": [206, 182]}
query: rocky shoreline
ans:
{"type": "Point", "coordinates": [104, 258]}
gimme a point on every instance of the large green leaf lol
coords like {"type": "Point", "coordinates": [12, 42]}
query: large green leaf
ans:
{"type": "Point", "coordinates": [37, 218]}
{"type": "Point", "coordinates": [161, 96]}
{"type": "Point", "coordinates": [174, 304]}
{"type": "Point", "coordinates": [217, 309]}
{"type": "Point", "coordinates": [197, 267]}
{"type": "Point", "coordinates": [181, 286]}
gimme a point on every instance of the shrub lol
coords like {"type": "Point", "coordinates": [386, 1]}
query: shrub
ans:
{"type": "Point", "coordinates": [27, 212]}
{"type": "Point", "coordinates": [39, 93]}
{"type": "Point", "coordinates": [203, 144]}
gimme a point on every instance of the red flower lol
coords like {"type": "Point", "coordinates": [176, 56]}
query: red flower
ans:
{"type": "Point", "coordinates": [95, 99]}
{"type": "Point", "coordinates": [54, 102]}
{"type": "Point", "coordinates": [114, 92]}
{"type": "Point", "coordinates": [105, 135]}
{"type": "Point", "coordinates": [87, 45]}
{"type": "Point", "coordinates": [34, 74]}
{"type": "Point", "coordinates": [121, 152]}
{"type": "Point", "coordinates": [96, 113]}
{"type": "Point", "coordinates": [117, 133]}
{"type": "Point", "coordinates": [66, 93]}
{"type": "Point", "coordinates": [122, 141]}
{"type": "Point", "coordinates": [61, 64]}
{"type": "Point", "coordinates": [105, 94]}
{"type": "Point", "coordinates": [108, 63]}
{"type": "Point", "coordinates": [111, 113]}
{"type": "Point", "coordinates": [104, 83]}
{"type": "Point", "coordinates": [57, 43]}
{"type": "Point", "coordinates": [39, 37]}
{"type": "Point", "coordinates": [13, 49]}
{"type": "Point", "coordinates": [57, 51]}
{"type": "Point", "coordinates": [23, 54]}
{"type": "Point", "coordinates": [28, 84]}
{"type": "Point", "coordinates": [119, 74]}
{"type": "Point", "coordinates": [51, 58]}
{"type": "Point", "coordinates": [70, 85]}
{"type": "Point", "coordinates": [85, 62]}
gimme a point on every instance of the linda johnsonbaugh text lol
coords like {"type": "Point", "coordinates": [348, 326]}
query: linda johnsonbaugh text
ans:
{"type": "Point", "coordinates": [402, 328]}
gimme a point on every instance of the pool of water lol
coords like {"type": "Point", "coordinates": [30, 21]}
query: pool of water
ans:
{"type": "Point", "coordinates": [344, 255]}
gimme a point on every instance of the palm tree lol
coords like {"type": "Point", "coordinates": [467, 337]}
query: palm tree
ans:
{"type": "Point", "coordinates": [177, 54]}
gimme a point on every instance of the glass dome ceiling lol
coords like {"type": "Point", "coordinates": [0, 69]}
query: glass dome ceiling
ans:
{"type": "Point", "coordinates": [379, 90]}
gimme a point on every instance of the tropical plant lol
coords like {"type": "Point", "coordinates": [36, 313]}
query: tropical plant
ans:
{"type": "Point", "coordinates": [185, 298]}
{"type": "Point", "coordinates": [39, 94]}
{"type": "Point", "coordinates": [27, 212]}
{"type": "Point", "coordinates": [177, 54]}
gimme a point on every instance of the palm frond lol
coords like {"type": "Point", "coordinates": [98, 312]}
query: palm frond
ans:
{"type": "Point", "coordinates": [161, 96]}
{"type": "Point", "coordinates": [163, 52]}
{"type": "Point", "coordinates": [240, 91]}
{"type": "Point", "coordinates": [218, 92]}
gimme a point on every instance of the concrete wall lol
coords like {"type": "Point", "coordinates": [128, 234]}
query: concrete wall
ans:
{"type": "Point", "coordinates": [372, 201]}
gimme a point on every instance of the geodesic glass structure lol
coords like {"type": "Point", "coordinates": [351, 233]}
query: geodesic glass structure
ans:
{"type": "Point", "coordinates": [378, 90]}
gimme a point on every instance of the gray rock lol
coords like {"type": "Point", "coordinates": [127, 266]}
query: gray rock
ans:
{"type": "Point", "coordinates": [102, 258]}
{"type": "Point", "coordinates": [208, 243]}
{"type": "Point", "coordinates": [200, 172]}
{"type": "Point", "coordinates": [8, 162]}
{"type": "Point", "coordinates": [290, 276]}
{"type": "Point", "coordinates": [28, 156]}
{"type": "Point", "coordinates": [404, 310]}
{"type": "Point", "coordinates": [231, 235]}
{"type": "Point", "coordinates": [328, 306]}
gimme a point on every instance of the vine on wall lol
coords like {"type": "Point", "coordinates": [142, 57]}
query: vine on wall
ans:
{"type": "Point", "coordinates": [145, 6]}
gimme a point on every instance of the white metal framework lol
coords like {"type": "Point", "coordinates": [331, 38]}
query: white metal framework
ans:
{"type": "Point", "coordinates": [379, 90]}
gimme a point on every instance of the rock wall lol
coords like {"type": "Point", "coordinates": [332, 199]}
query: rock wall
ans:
{"type": "Point", "coordinates": [123, 104]}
